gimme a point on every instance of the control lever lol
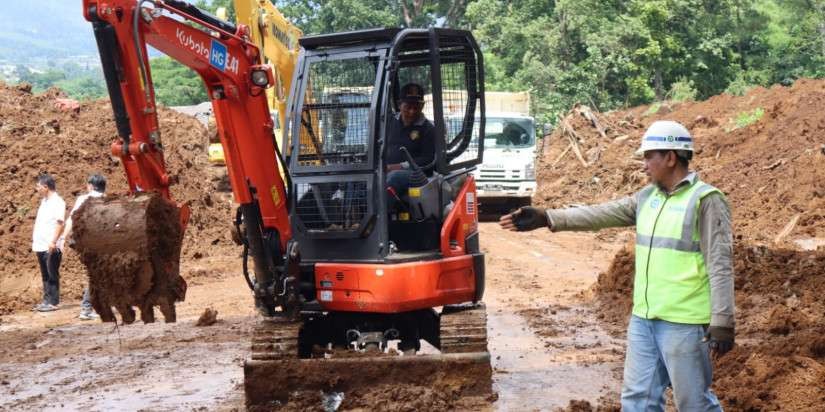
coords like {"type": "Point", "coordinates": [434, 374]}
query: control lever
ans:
{"type": "Point", "coordinates": [417, 177]}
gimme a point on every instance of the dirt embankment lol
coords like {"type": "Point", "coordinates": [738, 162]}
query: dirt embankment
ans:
{"type": "Point", "coordinates": [37, 137]}
{"type": "Point", "coordinates": [772, 172]}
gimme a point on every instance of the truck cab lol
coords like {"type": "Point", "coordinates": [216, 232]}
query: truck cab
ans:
{"type": "Point", "coordinates": [507, 177]}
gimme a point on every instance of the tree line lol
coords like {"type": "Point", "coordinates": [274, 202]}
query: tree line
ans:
{"type": "Point", "coordinates": [605, 53]}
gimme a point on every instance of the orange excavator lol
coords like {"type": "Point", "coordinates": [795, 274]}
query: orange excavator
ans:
{"type": "Point", "coordinates": [343, 269]}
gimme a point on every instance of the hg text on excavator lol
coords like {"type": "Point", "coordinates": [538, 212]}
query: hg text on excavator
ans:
{"type": "Point", "coordinates": [337, 266]}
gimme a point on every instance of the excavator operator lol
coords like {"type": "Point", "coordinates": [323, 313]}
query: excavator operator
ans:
{"type": "Point", "coordinates": [411, 130]}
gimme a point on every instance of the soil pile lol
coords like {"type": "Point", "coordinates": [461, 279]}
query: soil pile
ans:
{"type": "Point", "coordinates": [771, 169]}
{"type": "Point", "coordinates": [37, 136]}
{"type": "Point", "coordinates": [765, 150]}
{"type": "Point", "coordinates": [779, 360]}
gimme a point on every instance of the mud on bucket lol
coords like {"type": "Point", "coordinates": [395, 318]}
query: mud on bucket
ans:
{"type": "Point", "coordinates": [131, 246]}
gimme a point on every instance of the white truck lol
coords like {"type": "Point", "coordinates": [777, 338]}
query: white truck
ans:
{"type": "Point", "coordinates": [507, 177]}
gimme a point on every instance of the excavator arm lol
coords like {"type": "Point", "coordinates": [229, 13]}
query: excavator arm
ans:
{"type": "Point", "coordinates": [236, 82]}
{"type": "Point", "coordinates": [278, 40]}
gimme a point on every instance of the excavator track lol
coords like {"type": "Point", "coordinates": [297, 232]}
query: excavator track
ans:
{"type": "Point", "coordinates": [464, 329]}
{"type": "Point", "coordinates": [274, 373]}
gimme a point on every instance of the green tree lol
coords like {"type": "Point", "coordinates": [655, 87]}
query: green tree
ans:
{"type": "Point", "coordinates": [176, 84]}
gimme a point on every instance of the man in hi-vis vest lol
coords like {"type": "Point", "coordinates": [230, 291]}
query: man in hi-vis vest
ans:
{"type": "Point", "coordinates": [683, 288]}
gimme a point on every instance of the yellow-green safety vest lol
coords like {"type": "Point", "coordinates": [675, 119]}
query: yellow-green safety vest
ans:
{"type": "Point", "coordinates": [671, 280]}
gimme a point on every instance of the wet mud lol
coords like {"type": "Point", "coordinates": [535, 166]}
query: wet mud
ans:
{"type": "Point", "coordinates": [131, 249]}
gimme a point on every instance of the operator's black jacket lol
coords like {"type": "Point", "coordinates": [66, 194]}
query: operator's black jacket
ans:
{"type": "Point", "coordinates": [418, 138]}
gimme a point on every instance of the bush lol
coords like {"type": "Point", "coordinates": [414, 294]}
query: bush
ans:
{"type": "Point", "coordinates": [682, 91]}
{"type": "Point", "coordinates": [653, 109]}
{"type": "Point", "coordinates": [747, 118]}
{"type": "Point", "coordinates": [742, 84]}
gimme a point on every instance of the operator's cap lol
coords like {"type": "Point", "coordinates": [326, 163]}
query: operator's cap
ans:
{"type": "Point", "coordinates": [666, 135]}
{"type": "Point", "coordinates": [412, 93]}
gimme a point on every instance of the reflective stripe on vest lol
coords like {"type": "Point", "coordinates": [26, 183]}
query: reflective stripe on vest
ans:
{"type": "Point", "coordinates": [671, 282]}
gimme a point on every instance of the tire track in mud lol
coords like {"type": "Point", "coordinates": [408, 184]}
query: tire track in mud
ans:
{"type": "Point", "coordinates": [546, 345]}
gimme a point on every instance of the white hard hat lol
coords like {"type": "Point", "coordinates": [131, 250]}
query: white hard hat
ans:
{"type": "Point", "coordinates": [666, 135]}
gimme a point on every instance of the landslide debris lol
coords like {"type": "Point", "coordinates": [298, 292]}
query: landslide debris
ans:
{"type": "Point", "coordinates": [772, 173]}
{"type": "Point", "coordinates": [37, 136]}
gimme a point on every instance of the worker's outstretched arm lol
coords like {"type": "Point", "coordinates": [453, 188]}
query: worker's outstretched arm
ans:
{"type": "Point", "coordinates": [616, 213]}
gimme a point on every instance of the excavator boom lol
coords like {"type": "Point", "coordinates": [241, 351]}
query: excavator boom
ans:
{"type": "Point", "coordinates": [230, 67]}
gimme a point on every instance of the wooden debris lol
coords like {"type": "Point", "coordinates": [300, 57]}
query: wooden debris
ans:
{"type": "Point", "coordinates": [787, 229]}
{"type": "Point", "coordinates": [621, 139]}
{"type": "Point", "coordinates": [573, 137]}
{"type": "Point", "coordinates": [775, 164]}
{"type": "Point", "coordinates": [561, 156]}
{"type": "Point", "coordinates": [588, 114]}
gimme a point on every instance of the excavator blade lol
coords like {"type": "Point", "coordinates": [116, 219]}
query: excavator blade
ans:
{"type": "Point", "coordinates": [274, 376]}
{"type": "Point", "coordinates": [131, 249]}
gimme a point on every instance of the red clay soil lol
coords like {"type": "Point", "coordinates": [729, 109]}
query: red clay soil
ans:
{"type": "Point", "coordinates": [779, 360]}
{"type": "Point", "coordinates": [36, 137]}
{"type": "Point", "coordinates": [773, 172]}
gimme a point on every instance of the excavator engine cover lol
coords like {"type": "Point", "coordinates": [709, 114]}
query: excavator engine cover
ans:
{"type": "Point", "coordinates": [131, 249]}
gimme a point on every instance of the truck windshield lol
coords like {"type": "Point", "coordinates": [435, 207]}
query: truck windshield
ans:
{"type": "Point", "coordinates": [503, 132]}
{"type": "Point", "coordinates": [509, 132]}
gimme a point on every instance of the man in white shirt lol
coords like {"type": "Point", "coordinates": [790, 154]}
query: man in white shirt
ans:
{"type": "Point", "coordinates": [48, 226]}
{"type": "Point", "coordinates": [95, 187]}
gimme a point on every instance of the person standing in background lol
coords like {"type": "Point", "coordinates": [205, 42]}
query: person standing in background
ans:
{"type": "Point", "coordinates": [95, 187]}
{"type": "Point", "coordinates": [46, 240]}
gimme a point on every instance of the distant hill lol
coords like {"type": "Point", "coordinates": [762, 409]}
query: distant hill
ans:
{"type": "Point", "coordinates": [40, 29]}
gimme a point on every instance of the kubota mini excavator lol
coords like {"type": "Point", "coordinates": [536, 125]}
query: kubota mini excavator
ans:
{"type": "Point", "coordinates": [338, 268]}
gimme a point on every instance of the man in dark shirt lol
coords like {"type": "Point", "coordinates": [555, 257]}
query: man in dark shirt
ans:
{"type": "Point", "coordinates": [409, 129]}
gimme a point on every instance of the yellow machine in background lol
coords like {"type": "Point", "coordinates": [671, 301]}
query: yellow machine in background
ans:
{"type": "Point", "coordinates": [277, 38]}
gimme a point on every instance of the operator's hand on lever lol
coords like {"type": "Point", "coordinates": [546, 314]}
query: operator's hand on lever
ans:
{"type": "Point", "coordinates": [525, 219]}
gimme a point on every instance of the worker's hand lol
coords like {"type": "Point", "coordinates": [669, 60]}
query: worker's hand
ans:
{"type": "Point", "coordinates": [52, 247]}
{"type": "Point", "coordinates": [720, 339]}
{"type": "Point", "coordinates": [525, 219]}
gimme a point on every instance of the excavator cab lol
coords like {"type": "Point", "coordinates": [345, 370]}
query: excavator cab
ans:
{"type": "Point", "coordinates": [344, 103]}
{"type": "Point", "coordinates": [381, 272]}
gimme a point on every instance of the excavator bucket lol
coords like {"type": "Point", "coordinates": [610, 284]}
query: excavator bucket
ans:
{"type": "Point", "coordinates": [131, 249]}
{"type": "Point", "coordinates": [274, 375]}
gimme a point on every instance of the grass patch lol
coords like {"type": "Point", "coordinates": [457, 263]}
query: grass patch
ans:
{"type": "Point", "coordinates": [653, 109]}
{"type": "Point", "coordinates": [747, 118]}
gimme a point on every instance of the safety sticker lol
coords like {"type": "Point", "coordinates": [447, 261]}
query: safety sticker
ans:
{"type": "Point", "coordinates": [471, 203]}
{"type": "Point", "coordinates": [326, 295]}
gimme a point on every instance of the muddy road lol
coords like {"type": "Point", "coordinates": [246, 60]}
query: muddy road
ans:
{"type": "Point", "coordinates": [546, 346]}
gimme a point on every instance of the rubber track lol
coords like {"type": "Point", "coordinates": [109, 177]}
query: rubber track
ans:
{"type": "Point", "coordinates": [275, 339]}
{"type": "Point", "coordinates": [464, 329]}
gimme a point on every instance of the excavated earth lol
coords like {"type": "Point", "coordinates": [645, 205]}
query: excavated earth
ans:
{"type": "Point", "coordinates": [37, 137]}
{"type": "Point", "coordinates": [773, 172]}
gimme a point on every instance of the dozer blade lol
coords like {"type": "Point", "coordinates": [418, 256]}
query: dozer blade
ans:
{"type": "Point", "coordinates": [131, 249]}
{"type": "Point", "coordinates": [274, 376]}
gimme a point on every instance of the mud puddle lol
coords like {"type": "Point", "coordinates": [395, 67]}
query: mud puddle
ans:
{"type": "Point", "coordinates": [546, 347]}
{"type": "Point", "coordinates": [532, 373]}
{"type": "Point", "coordinates": [125, 369]}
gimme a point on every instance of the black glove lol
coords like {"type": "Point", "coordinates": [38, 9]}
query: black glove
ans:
{"type": "Point", "coordinates": [720, 339]}
{"type": "Point", "coordinates": [530, 218]}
